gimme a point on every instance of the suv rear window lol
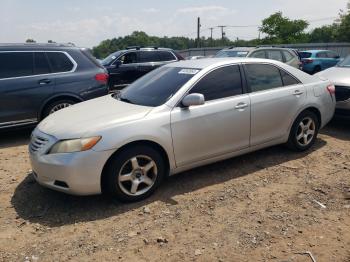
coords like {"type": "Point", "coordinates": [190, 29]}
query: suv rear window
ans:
{"type": "Point", "coordinates": [149, 56]}
{"type": "Point", "coordinates": [16, 64]}
{"type": "Point", "coordinates": [166, 56]}
{"type": "Point", "coordinates": [305, 54]}
{"type": "Point", "coordinates": [59, 62]}
{"type": "Point", "coordinates": [41, 64]}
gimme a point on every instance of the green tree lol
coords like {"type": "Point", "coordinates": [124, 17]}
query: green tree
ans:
{"type": "Point", "coordinates": [325, 34]}
{"type": "Point", "coordinates": [30, 40]}
{"type": "Point", "coordinates": [282, 30]}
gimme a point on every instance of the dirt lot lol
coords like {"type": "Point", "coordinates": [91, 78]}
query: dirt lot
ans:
{"type": "Point", "coordinates": [258, 207]}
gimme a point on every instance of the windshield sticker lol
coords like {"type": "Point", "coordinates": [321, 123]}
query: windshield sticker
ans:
{"type": "Point", "coordinates": [186, 71]}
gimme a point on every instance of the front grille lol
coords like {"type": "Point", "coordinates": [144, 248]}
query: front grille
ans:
{"type": "Point", "coordinates": [342, 93]}
{"type": "Point", "coordinates": [37, 143]}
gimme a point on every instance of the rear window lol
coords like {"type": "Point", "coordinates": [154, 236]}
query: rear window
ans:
{"type": "Point", "coordinates": [305, 54]}
{"type": "Point", "coordinates": [275, 55]}
{"type": "Point", "coordinates": [166, 56]}
{"type": "Point", "coordinates": [88, 54]}
{"type": "Point", "coordinates": [41, 64]}
{"type": "Point", "coordinates": [16, 64]}
{"type": "Point", "coordinates": [60, 62]}
{"type": "Point", "coordinates": [149, 56]}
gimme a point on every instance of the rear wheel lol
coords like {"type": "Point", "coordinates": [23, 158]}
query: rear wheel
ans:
{"type": "Point", "coordinates": [56, 106]}
{"type": "Point", "coordinates": [304, 131]}
{"type": "Point", "coordinates": [134, 173]}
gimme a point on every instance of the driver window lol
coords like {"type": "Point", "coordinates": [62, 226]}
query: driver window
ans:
{"type": "Point", "coordinates": [129, 58]}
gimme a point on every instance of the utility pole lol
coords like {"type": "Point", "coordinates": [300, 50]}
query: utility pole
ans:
{"type": "Point", "coordinates": [222, 32]}
{"type": "Point", "coordinates": [211, 35]}
{"type": "Point", "coordinates": [198, 32]}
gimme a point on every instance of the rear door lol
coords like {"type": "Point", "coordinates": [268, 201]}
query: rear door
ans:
{"type": "Point", "coordinates": [276, 97]}
{"type": "Point", "coordinates": [220, 126]}
{"type": "Point", "coordinates": [275, 55]}
{"type": "Point", "coordinates": [25, 83]}
{"type": "Point", "coordinates": [149, 60]}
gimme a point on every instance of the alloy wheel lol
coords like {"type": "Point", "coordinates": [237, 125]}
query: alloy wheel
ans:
{"type": "Point", "coordinates": [137, 175]}
{"type": "Point", "coordinates": [306, 131]}
{"type": "Point", "coordinates": [59, 107]}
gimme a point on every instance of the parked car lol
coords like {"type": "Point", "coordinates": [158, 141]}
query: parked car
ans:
{"type": "Point", "coordinates": [340, 76]}
{"type": "Point", "coordinates": [177, 117]}
{"type": "Point", "coordinates": [37, 80]}
{"type": "Point", "coordinates": [315, 61]}
{"type": "Point", "coordinates": [285, 55]}
{"type": "Point", "coordinates": [234, 52]}
{"type": "Point", "coordinates": [125, 66]}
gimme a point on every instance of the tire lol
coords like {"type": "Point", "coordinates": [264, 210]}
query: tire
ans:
{"type": "Point", "coordinates": [56, 106]}
{"type": "Point", "coordinates": [303, 138]}
{"type": "Point", "coordinates": [123, 174]}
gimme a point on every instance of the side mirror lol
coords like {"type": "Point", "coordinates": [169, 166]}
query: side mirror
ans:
{"type": "Point", "coordinates": [193, 100]}
{"type": "Point", "coordinates": [116, 64]}
{"type": "Point", "coordinates": [337, 57]}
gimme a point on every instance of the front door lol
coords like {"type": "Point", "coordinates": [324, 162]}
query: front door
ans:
{"type": "Point", "coordinates": [25, 82]}
{"type": "Point", "coordinates": [220, 126]}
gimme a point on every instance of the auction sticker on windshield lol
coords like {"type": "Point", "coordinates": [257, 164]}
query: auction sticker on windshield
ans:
{"type": "Point", "coordinates": [188, 71]}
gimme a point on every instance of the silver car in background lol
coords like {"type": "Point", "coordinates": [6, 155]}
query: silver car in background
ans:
{"type": "Point", "coordinates": [180, 116]}
{"type": "Point", "coordinates": [340, 76]}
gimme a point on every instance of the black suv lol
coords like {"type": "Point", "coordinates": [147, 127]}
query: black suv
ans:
{"type": "Point", "coordinates": [125, 66]}
{"type": "Point", "coordinates": [39, 79]}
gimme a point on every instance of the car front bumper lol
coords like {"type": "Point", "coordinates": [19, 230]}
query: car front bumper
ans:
{"type": "Point", "coordinates": [76, 173]}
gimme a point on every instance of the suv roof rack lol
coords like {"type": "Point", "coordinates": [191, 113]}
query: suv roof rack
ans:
{"type": "Point", "coordinates": [137, 47]}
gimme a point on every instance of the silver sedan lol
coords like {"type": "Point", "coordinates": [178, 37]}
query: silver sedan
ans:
{"type": "Point", "coordinates": [180, 116]}
{"type": "Point", "coordinates": [340, 76]}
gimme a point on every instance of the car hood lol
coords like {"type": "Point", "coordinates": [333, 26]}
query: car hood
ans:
{"type": "Point", "coordinates": [90, 117]}
{"type": "Point", "coordinates": [337, 75]}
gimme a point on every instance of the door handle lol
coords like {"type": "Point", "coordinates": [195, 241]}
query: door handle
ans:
{"type": "Point", "coordinates": [298, 92]}
{"type": "Point", "coordinates": [44, 81]}
{"type": "Point", "coordinates": [241, 106]}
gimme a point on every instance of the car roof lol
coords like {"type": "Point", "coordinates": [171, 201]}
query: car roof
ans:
{"type": "Point", "coordinates": [35, 47]}
{"type": "Point", "coordinates": [315, 51]}
{"type": "Point", "coordinates": [214, 62]}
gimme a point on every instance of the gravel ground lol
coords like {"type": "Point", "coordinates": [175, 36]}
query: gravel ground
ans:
{"type": "Point", "coordinates": [271, 205]}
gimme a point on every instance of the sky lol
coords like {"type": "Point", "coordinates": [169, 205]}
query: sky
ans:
{"type": "Point", "coordinates": [88, 22]}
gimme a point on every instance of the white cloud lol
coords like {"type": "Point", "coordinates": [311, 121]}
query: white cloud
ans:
{"type": "Point", "coordinates": [151, 10]}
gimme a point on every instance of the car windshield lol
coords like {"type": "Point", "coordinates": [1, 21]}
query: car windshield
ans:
{"type": "Point", "coordinates": [157, 87]}
{"type": "Point", "coordinates": [305, 54]}
{"type": "Point", "coordinates": [231, 53]}
{"type": "Point", "coordinates": [109, 59]}
{"type": "Point", "coordinates": [345, 62]}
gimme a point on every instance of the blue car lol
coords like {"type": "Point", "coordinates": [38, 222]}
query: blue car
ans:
{"type": "Point", "coordinates": [315, 61]}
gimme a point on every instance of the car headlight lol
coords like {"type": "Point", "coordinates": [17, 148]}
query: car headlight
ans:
{"type": "Point", "coordinates": [74, 145]}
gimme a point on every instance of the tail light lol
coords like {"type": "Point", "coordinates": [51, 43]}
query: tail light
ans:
{"type": "Point", "coordinates": [331, 89]}
{"type": "Point", "coordinates": [308, 61]}
{"type": "Point", "coordinates": [102, 77]}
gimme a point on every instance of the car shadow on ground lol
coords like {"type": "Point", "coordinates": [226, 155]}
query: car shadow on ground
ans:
{"type": "Point", "coordinates": [39, 205]}
{"type": "Point", "coordinates": [13, 138]}
{"type": "Point", "coordinates": [338, 128]}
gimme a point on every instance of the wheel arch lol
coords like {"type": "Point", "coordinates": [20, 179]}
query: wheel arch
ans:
{"type": "Point", "coordinates": [55, 98]}
{"type": "Point", "coordinates": [313, 109]}
{"type": "Point", "coordinates": [149, 143]}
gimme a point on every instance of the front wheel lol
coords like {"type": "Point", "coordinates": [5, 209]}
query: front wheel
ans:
{"type": "Point", "coordinates": [134, 173]}
{"type": "Point", "coordinates": [304, 131]}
